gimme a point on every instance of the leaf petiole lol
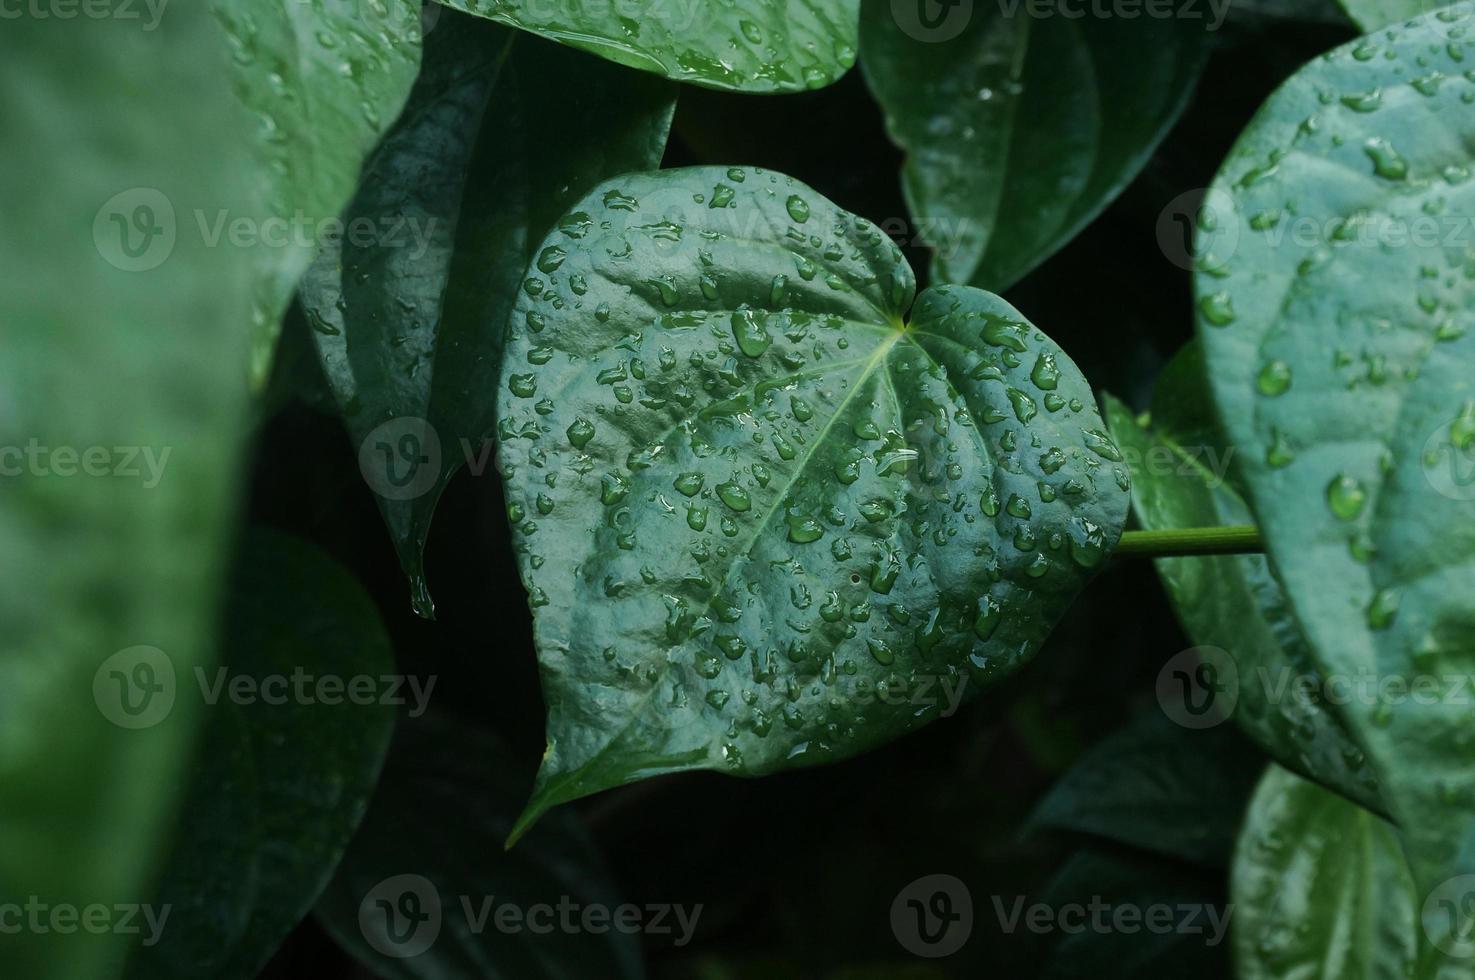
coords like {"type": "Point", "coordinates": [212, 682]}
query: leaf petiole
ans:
{"type": "Point", "coordinates": [1185, 542]}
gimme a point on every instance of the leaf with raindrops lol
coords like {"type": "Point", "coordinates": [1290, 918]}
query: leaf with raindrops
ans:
{"type": "Point", "coordinates": [1181, 479]}
{"type": "Point", "coordinates": [1319, 888]}
{"type": "Point", "coordinates": [765, 520]}
{"type": "Point", "coordinates": [1020, 129]}
{"type": "Point", "coordinates": [1335, 295]}
{"type": "Point", "coordinates": [741, 45]}
{"type": "Point", "coordinates": [323, 80]}
{"type": "Point", "coordinates": [504, 130]}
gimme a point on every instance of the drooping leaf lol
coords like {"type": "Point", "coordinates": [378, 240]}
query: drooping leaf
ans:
{"type": "Point", "coordinates": [1180, 478]}
{"type": "Point", "coordinates": [1158, 787]}
{"type": "Point", "coordinates": [748, 46]}
{"type": "Point", "coordinates": [1020, 129]}
{"type": "Point", "coordinates": [745, 492]}
{"type": "Point", "coordinates": [121, 343]}
{"type": "Point", "coordinates": [322, 80]}
{"type": "Point", "coordinates": [278, 788]}
{"type": "Point", "coordinates": [1334, 306]}
{"type": "Point", "coordinates": [425, 888]}
{"type": "Point", "coordinates": [1320, 888]}
{"type": "Point", "coordinates": [503, 132]}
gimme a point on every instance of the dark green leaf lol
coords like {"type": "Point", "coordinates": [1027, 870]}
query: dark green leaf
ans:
{"type": "Point", "coordinates": [278, 788]}
{"type": "Point", "coordinates": [746, 493]}
{"type": "Point", "coordinates": [322, 80]}
{"type": "Point", "coordinates": [1334, 306]}
{"type": "Point", "coordinates": [121, 344]}
{"type": "Point", "coordinates": [432, 843]}
{"type": "Point", "coordinates": [1159, 787]}
{"type": "Point", "coordinates": [1180, 478]}
{"type": "Point", "coordinates": [1320, 888]}
{"type": "Point", "coordinates": [503, 132]}
{"type": "Point", "coordinates": [753, 46]}
{"type": "Point", "coordinates": [1020, 129]}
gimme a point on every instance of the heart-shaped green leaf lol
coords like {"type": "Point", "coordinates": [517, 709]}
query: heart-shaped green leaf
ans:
{"type": "Point", "coordinates": [1019, 129]}
{"type": "Point", "coordinates": [122, 406]}
{"type": "Point", "coordinates": [1180, 478]}
{"type": "Point", "coordinates": [1334, 306]}
{"type": "Point", "coordinates": [430, 847]}
{"type": "Point", "coordinates": [503, 132]}
{"type": "Point", "coordinates": [287, 766]}
{"type": "Point", "coordinates": [747, 494]}
{"type": "Point", "coordinates": [322, 80]}
{"type": "Point", "coordinates": [752, 46]}
{"type": "Point", "coordinates": [1320, 888]}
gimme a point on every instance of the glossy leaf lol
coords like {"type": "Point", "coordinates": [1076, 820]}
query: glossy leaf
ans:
{"type": "Point", "coordinates": [745, 492]}
{"type": "Point", "coordinates": [1158, 787]}
{"type": "Point", "coordinates": [279, 788]}
{"type": "Point", "coordinates": [322, 80]}
{"type": "Point", "coordinates": [432, 845]}
{"type": "Point", "coordinates": [502, 134]}
{"type": "Point", "coordinates": [1020, 129]}
{"type": "Point", "coordinates": [743, 45]}
{"type": "Point", "coordinates": [120, 360]}
{"type": "Point", "coordinates": [1180, 479]}
{"type": "Point", "coordinates": [1342, 364]}
{"type": "Point", "coordinates": [1320, 888]}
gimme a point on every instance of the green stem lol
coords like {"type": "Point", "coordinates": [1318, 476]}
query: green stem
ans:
{"type": "Point", "coordinates": [1183, 542]}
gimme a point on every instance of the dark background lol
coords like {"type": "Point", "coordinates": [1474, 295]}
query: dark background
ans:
{"type": "Point", "coordinates": [796, 873]}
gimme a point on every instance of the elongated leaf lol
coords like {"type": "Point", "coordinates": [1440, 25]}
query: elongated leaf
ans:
{"type": "Point", "coordinates": [503, 132]}
{"type": "Point", "coordinates": [322, 80]}
{"type": "Point", "coordinates": [1180, 478]}
{"type": "Point", "coordinates": [1344, 370]}
{"type": "Point", "coordinates": [1320, 888]}
{"type": "Point", "coordinates": [287, 770]}
{"type": "Point", "coordinates": [748, 46]}
{"type": "Point", "coordinates": [1158, 787]}
{"type": "Point", "coordinates": [746, 493]}
{"type": "Point", "coordinates": [431, 845]}
{"type": "Point", "coordinates": [1019, 129]}
{"type": "Point", "coordinates": [122, 405]}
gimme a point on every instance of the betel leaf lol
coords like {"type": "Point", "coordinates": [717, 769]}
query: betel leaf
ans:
{"type": "Point", "coordinates": [1159, 787]}
{"type": "Point", "coordinates": [1334, 306]}
{"type": "Point", "coordinates": [1180, 478]}
{"type": "Point", "coordinates": [503, 132]}
{"type": "Point", "coordinates": [112, 504]}
{"type": "Point", "coordinates": [297, 725]}
{"type": "Point", "coordinates": [322, 79]}
{"type": "Point", "coordinates": [1020, 129]}
{"type": "Point", "coordinates": [747, 46]}
{"type": "Point", "coordinates": [746, 493]}
{"type": "Point", "coordinates": [1320, 888]}
{"type": "Point", "coordinates": [426, 892]}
